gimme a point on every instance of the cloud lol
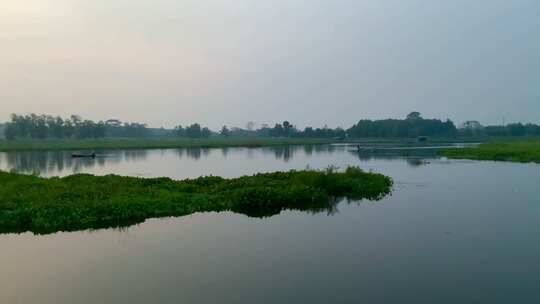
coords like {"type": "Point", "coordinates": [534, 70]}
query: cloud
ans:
{"type": "Point", "coordinates": [231, 61]}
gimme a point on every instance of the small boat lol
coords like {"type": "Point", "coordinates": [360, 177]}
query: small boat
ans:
{"type": "Point", "coordinates": [75, 155]}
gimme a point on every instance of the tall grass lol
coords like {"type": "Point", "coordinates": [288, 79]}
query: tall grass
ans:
{"type": "Point", "coordinates": [31, 203]}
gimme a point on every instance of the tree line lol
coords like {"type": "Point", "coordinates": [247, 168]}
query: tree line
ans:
{"type": "Point", "coordinates": [45, 126]}
{"type": "Point", "coordinates": [513, 129]}
{"type": "Point", "coordinates": [285, 129]}
{"type": "Point", "coordinates": [414, 125]}
{"type": "Point", "coordinates": [193, 131]}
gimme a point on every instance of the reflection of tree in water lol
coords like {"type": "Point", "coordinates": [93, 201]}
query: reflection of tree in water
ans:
{"type": "Point", "coordinates": [51, 162]}
{"type": "Point", "coordinates": [329, 207]}
{"type": "Point", "coordinates": [47, 162]}
{"type": "Point", "coordinates": [193, 153]}
{"type": "Point", "coordinates": [413, 157]}
{"type": "Point", "coordinates": [38, 162]}
{"type": "Point", "coordinates": [327, 149]}
{"type": "Point", "coordinates": [287, 153]}
{"type": "Point", "coordinates": [134, 155]}
{"type": "Point", "coordinates": [225, 151]}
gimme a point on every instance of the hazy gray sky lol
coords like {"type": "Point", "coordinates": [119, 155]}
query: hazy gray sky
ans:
{"type": "Point", "coordinates": [308, 61]}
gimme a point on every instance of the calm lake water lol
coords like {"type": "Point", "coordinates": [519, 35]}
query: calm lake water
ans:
{"type": "Point", "coordinates": [452, 232]}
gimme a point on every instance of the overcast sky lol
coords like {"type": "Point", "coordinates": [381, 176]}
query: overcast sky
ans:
{"type": "Point", "coordinates": [312, 62]}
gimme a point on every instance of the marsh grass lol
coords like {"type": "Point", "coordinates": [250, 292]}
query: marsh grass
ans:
{"type": "Point", "coordinates": [524, 151]}
{"type": "Point", "coordinates": [32, 203]}
{"type": "Point", "coordinates": [170, 143]}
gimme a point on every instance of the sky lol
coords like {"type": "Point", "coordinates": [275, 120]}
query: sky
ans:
{"type": "Point", "coordinates": [311, 62]}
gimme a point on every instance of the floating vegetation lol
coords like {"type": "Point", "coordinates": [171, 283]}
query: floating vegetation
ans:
{"type": "Point", "coordinates": [77, 202]}
{"type": "Point", "coordinates": [525, 151]}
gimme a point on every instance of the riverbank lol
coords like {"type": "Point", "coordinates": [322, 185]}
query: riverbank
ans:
{"type": "Point", "coordinates": [524, 151]}
{"type": "Point", "coordinates": [174, 143]}
{"type": "Point", "coordinates": [113, 144]}
{"type": "Point", "coordinates": [39, 205]}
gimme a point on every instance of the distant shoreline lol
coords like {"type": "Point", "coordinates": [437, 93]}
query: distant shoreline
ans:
{"type": "Point", "coordinates": [177, 143]}
{"type": "Point", "coordinates": [521, 151]}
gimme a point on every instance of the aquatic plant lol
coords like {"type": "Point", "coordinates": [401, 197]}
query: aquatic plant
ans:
{"type": "Point", "coordinates": [40, 205]}
{"type": "Point", "coordinates": [524, 151]}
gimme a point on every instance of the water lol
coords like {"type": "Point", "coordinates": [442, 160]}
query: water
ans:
{"type": "Point", "coordinates": [452, 232]}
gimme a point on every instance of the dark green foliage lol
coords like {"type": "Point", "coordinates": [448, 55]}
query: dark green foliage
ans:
{"type": "Point", "coordinates": [516, 151]}
{"type": "Point", "coordinates": [288, 130]}
{"type": "Point", "coordinates": [193, 131]}
{"type": "Point", "coordinates": [128, 130]}
{"type": "Point", "coordinates": [48, 127]}
{"type": "Point", "coordinates": [41, 127]}
{"type": "Point", "coordinates": [414, 115]}
{"type": "Point", "coordinates": [225, 132]}
{"type": "Point", "coordinates": [413, 126]}
{"type": "Point", "coordinates": [45, 126]}
{"type": "Point", "coordinates": [31, 203]}
{"type": "Point", "coordinates": [325, 132]}
{"type": "Point", "coordinates": [510, 130]}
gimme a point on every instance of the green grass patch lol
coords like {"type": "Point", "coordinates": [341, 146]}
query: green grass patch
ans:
{"type": "Point", "coordinates": [110, 144]}
{"type": "Point", "coordinates": [39, 205]}
{"type": "Point", "coordinates": [214, 142]}
{"type": "Point", "coordinates": [524, 151]}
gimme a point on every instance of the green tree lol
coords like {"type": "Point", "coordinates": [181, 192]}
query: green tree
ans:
{"type": "Point", "coordinates": [225, 132]}
{"type": "Point", "coordinates": [194, 131]}
{"type": "Point", "coordinates": [414, 116]}
{"type": "Point", "coordinates": [11, 131]}
{"type": "Point", "coordinates": [205, 132]}
{"type": "Point", "coordinates": [287, 127]}
{"type": "Point", "coordinates": [180, 131]}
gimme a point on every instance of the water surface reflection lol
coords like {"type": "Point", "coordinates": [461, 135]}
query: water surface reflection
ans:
{"type": "Point", "coordinates": [452, 232]}
{"type": "Point", "coordinates": [60, 163]}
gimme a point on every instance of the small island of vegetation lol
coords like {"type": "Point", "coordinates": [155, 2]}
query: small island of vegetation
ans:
{"type": "Point", "coordinates": [40, 205]}
{"type": "Point", "coordinates": [524, 151]}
